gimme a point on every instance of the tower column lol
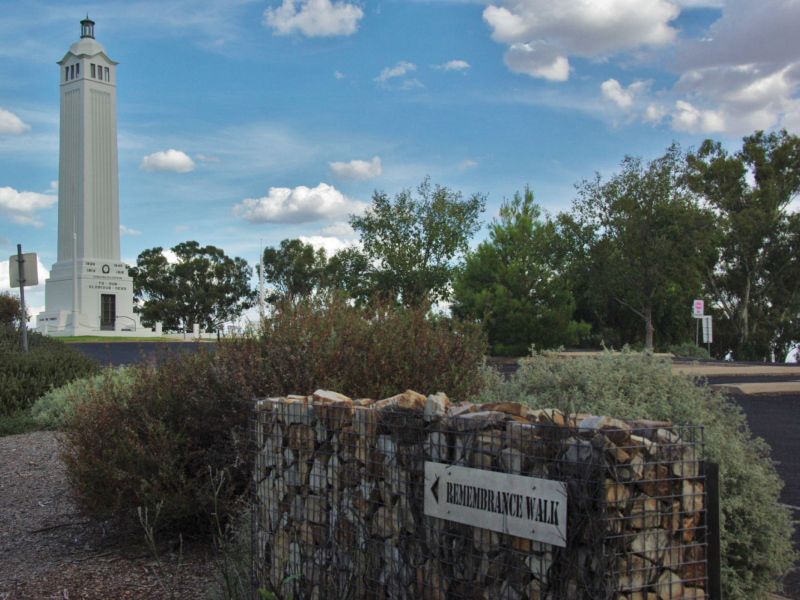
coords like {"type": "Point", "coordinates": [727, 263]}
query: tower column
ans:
{"type": "Point", "coordinates": [89, 290]}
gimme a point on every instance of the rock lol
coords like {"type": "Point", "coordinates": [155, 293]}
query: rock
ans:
{"type": "Point", "coordinates": [476, 421]}
{"type": "Point", "coordinates": [652, 544]}
{"type": "Point", "coordinates": [295, 409]}
{"type": "Point", "coordinates": [551, 416]}
{"type": "Point", "coordinates": [694, 593]}
{"type": "Point", "coordinates": [644, 513]}
{"type": "Point", "coordinates": [302, 440]}
{"type": "Point", "coordinates": [408, 400]}
{"type": "Point", "coordinates": [365, 422]}
{"type": "Point", "coordinates": [615, 430]}
{"type": "Point", "coordinates": [485, 540]}
{"type": "Point", "coordinates": [669, 586]}
{"type": "Point", "coordinates": [316, 510]}
{"type": "Point", "coordinates": [692, 497]}
{"type": "Point", "coordinates": [578, 451]}
{"type": "Point", "coordinates": [638, 441]}
{"type": "Point", "coordinates": [539, 566]}
{"type": "Point", "coordinates": [635, 573]}
{"type": "Point", "coordinates": [511, 460]}
{"type": "Point", "coordinates": [437, 447]}
{"type": "Point", "coordinates": [385, 523]}
{"type": "Point", "coordinates": [687, 465]}
{"type": "Point", "coordinates": [479, 460]}
{"type": "Point", "coordinates": [333, 409]}
{"type": "Point", "coordinates": [436, 406]}
{"type": "Point", "coordinates": [328, 397]}
{"type": "Point", "coordinates": [462, 408]}
{"type": "Point", "coordinates": [617, 494]}
{"type": "Point", "coordinates": [510, 408]}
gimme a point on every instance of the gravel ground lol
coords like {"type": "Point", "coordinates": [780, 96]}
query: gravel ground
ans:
{"type": "Point", "coordinates": [49, 550]}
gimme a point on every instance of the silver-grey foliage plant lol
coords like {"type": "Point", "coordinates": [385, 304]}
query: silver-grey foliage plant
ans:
{"type": "Point", "coordinates": [757, 530]}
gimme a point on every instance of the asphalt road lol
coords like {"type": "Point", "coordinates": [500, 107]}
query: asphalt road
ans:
{"type": "Point", "coordinates": [125, 353]}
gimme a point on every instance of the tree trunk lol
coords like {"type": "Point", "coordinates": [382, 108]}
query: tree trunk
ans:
{"type": "Point", "coordinates": [648, 328]}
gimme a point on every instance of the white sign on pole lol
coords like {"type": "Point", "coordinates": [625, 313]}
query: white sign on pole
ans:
{"type": "Point", "coordinates": [526, 507]}
{"type": "Point", "coordinates": [708, 333]}
{"type": "Point", "coordinates": [698, 308]}
{"type": "Point", "coordinates": [30, 274]}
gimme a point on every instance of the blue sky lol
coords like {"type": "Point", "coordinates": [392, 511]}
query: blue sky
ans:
{"type": "Point", "coordinates": [249, 121]}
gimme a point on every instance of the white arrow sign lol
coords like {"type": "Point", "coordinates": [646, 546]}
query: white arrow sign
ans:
{"type": "Point", "coordinates": [526, 507]}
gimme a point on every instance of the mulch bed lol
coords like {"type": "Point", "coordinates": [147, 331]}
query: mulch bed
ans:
{"type": "Point", "coordinates": [48, 550]}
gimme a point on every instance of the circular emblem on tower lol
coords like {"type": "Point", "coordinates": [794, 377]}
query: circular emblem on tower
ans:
{"type": "Point", "coordinates": [106, 269]}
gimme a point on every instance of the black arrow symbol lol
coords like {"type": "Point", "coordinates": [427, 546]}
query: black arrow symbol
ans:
{"type": "Point", "coordinates": [435, 490]}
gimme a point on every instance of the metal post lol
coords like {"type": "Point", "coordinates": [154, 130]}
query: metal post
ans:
{"type": "Point", "coordinates": [23, 317]}
{"type": "Point", "coordinates": [713, 546]}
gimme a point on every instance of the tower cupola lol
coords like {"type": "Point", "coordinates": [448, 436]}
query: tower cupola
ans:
{"type": "Point", "coordinates": [87, 28]}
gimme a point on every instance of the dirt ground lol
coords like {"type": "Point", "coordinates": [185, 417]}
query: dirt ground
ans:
{"type": "Point", "coordinates": [48, 550]}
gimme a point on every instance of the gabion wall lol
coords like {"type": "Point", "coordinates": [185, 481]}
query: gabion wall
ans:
{"type": "Point", "coordinates": [340, 513]}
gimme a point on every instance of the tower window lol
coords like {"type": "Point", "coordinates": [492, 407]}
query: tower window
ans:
{"type": "Point", "coordinates": [94, 71]}
{"type": "Point", "coordinates": [108, 77]}
{"type": "Point", "coordinates": [77, 69]}
{"type": "Point", "coordinates": [66, 73]}
{"type": "Point", "coordinates": [72, 71]}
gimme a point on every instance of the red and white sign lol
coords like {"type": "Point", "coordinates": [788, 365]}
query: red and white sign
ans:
{"type": "Point", "coordinates": [698, 307]}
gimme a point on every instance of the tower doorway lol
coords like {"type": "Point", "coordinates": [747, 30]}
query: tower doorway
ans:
{"type": "Point", "coordinates": [108, 311]}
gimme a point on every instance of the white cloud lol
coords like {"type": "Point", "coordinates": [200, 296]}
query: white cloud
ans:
{"type": "Point", "coordinates": [171, 257]}
{"type": "Point", "coordinates": [748, 32]}
{"type": "Point", "coordinates": [358, 169]}
{"type": "Point", "coordinates": [537, 59]}
{"type": "Point", "coordinates": [688, 117]}
{"type": "Point", "coordinates": [298, 205]}
{"type": "Point", "coordinates": [340, 229]}
{"type": "Point", "coordinates": [11, 124]}
{"type": "Point", "coordinates": [454, 65]}
{"type": "Point", "coordinates": [399, 70]}
{"type": "Point", "coordinates": [654, 113]}
{"type": "Point", "coordinates": [467, 164]}
{"type": "Point", "coordinates": [21, 207]}
{"type": "Point", "coordinates": [747, 97]}
{"type": "Point", "coordinates": [168, 160]}
{"type": "Point", "coordinates": [331, 244]}
{"type": "Point", "coordinates": [744, 71]}
{"type": "Point", "coordinates": [339, 75]}
{"type": "Point", "coordinates": [128, 231]}
{"type": "Point", "coordinates": [623, 97]}
{"type": "Point", "coordinates": [313, 18]}
{"type": "Point", "coordinates": [543, 34]}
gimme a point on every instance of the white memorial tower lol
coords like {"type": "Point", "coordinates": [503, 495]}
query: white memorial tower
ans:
{"type": "Point", "coordinates": [89, 291]}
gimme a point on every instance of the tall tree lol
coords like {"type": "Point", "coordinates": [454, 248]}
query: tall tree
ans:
{"type": "Point", "coordinates": [755, 283]}
{"type": "Point", "coordinates": [514, 283]}
{"type": "Point", "coordinates": [10, 310]}
{"type": "Point", "coordinates": [412, 242]}
{"type": "Point", "coordinates": [649, 242]}
{"type": "Point", "coordinates": [294, 270]}
{"type": "Point", "coordinates": [203, 286]}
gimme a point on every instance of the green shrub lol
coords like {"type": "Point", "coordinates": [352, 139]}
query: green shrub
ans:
{"type": "Point", "coordinates": [157, 440]}
{"type": "Point", "coordinates": [689, 350]}
{"type": "Point", "coordinates": [26, 376]}
{"type": "Point", "coordinates": [756, 531]}
{"type": "Point", "coordinates": [154, 440]}
{"type": "Point", "coordinates": [52, 409]}
{"type": "Point", "coordinates": [17, 422]}
{"type": "Point", "coordinates": [371, 352]}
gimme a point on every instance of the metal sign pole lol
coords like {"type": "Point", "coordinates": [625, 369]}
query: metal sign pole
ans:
{"type": "Point", "coordinates": [23, 313]}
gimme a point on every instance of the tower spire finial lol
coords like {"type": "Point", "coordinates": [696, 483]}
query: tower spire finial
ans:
{"type": "Point", "coordinates": [87, 27]}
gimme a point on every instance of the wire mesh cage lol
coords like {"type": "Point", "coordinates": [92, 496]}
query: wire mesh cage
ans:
{"type": "Point", "coordinates": [346, 505]}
